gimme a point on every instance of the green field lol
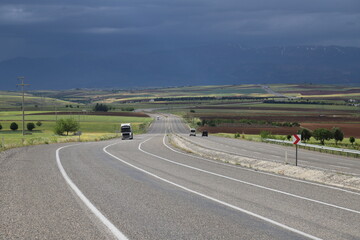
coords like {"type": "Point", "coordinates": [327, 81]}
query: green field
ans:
{"type": "Point", "coordinates": [93, 128]}
{"type": "Point", "coordinates": [13, 100]}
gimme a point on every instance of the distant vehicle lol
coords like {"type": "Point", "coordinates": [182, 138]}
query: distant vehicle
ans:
{"type": "Point", "coordinates": [157, 117]}
{"type": "Point", "coordinates": [126, 131]}
{"type": "Point", "coordinates": [204, 133]}
{"type": "Point", "coordinates": [192, 132]}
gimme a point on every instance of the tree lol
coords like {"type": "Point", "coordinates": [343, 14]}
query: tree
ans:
{"type": "Point", "coordinates": [30, 126]}
{"type": "Point", "coordinates": [338, 135]}
{"type": "Point", "coordinates": [352, 140]}
{"type": "Point", "coordinates": [101, 108]}
{"type": "Point", "coordinates": [0, 126]}
{"type": "Point", "coordinates": [66, 125]}
{"type": "Point", "coordinates": [305, 134]}
{"type": "Point", "coordinates": [38, 123]}
{"type": "Point", "coordinates": [14, 126]}
{"type": "Point", "coordinates": [322, 134]}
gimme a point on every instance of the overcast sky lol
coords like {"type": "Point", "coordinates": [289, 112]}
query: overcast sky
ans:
{"type": "Point", "coordinates": [41, 28]}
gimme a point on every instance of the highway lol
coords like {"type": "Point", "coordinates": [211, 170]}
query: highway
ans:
{"type": "Point", "coordinates": [272, 152]}
{"type": "Point", "coordinates": [146, 189]}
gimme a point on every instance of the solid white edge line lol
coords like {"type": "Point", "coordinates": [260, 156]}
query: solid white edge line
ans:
{"type": "Point", "coordinates": [248, 183]}
{"type": "Point", "coordinates": [116, 232]}
{"type": "Point", "coordinates": [213, 199]}
{"type": "Point", "coordinates": [260, 172]}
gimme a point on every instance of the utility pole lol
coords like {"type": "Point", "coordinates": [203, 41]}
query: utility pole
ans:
{"type": "Point", "coordinates": [22, 105]}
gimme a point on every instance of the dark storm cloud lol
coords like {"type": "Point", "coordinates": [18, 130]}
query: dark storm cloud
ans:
{"type": "Point", "coordinates": [57, 27]}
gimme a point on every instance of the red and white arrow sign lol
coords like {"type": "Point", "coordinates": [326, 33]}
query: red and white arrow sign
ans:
{"type": "Point", "coordinates": [296, 138]}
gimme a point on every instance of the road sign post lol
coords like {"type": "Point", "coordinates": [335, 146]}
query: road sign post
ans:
{"type": "Point", "coordinates": [296, 140]}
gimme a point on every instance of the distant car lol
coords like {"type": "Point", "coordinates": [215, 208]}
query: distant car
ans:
{"type": "Point", "coordinates": [157, 117]}
{"type": "Point", "coordinates": [192, 132]}
{"type": "Point", "coordinates": [204, 133]}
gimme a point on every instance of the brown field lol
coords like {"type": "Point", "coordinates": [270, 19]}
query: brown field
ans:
{"type": "Point", "coordinates": [311, 118]}
{"type": "Point", "coordinates": [286, 118]}
{"type": "Point", "coordinates": [273, 109]}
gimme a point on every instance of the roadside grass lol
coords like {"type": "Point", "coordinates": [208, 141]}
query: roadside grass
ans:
{"type": "Point", "coordinates": [93, 128]}
{"type": "Point", "coordinates": [249, 137]}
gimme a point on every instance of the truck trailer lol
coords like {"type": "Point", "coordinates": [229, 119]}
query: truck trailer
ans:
{"type": "Point", "coordinates": [126, 131]}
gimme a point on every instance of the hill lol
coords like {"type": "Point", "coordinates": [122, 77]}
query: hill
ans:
{"type": "Point", "coordinates": [206, 65]}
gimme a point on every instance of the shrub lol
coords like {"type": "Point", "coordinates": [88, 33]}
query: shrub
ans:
{"type": "Point", "coordinates": [38, 123]}
{"type": "Point", "coordinates": [352, 140]}
{"type": "Point", "coordinates": [237, 135]}
{"type": "Point", "coordinates": [127, 109]}
{"type": "Point", "coordinates": [0, 126]}
{"type": "Point", "coordinates": [14, 126]}
{"type": "Point", "coordinates": [30, 126]}
{"type": "Point", "coordinates": [295, 124]}
{"type": "Point", "coordinates": [265, 134]}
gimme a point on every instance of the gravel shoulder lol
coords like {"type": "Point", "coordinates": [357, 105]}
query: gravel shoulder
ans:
{"type": "Point", "coordinates": [325, 177]}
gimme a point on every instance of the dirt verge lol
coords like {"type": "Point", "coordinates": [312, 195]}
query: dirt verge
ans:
{"type": "Point", "coordinates": [303, 173]}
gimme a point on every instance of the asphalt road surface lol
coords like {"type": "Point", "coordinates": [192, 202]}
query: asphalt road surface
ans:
{"type": "Point", "coordinates": [145, 189]}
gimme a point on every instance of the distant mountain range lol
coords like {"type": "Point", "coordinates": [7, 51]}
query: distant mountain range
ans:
{"type": "Point", "coordinates": [206, 65]}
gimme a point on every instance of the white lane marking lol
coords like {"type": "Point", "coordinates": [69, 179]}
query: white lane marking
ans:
{"type": "Point", "coordinates": [264, 173]}
{"type": "Point", "coordinates": [247, 183]}
{"type": "Point", "coordinates": [116, 232]}
{"type": "Point", "coordinates": [213, 199]}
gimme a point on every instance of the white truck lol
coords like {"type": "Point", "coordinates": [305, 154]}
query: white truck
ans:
{"type": "Point", "coordinates": [126, 131]}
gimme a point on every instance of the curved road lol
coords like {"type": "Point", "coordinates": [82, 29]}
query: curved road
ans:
{"type": "Point", "coordinates": [145, 189]}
